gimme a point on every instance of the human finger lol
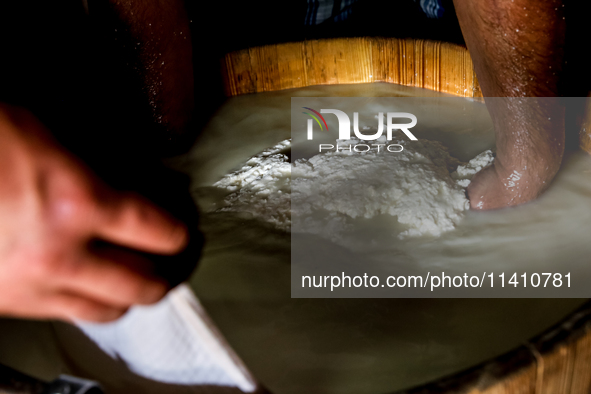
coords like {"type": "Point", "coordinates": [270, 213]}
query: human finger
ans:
{"type": "Point", "coordinates": [72, 306]}
{"type": "Point", "coordinates": [112, 276]}
{"type": "Point", "coordinates": [130, 220]}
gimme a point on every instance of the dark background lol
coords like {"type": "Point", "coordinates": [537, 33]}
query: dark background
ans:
{"type": "Point", "coordinates": [64, 66]}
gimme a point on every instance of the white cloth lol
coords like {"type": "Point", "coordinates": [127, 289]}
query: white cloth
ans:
{"type": "Point", "coordinates": [173, 341]}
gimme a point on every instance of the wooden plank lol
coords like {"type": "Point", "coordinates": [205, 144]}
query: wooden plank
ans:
{"type": "Point", "coordinates": [239, 73]}
{"type": "Point", "coordinates": [265, 61]}
{"type": "Point", "coordinates": [385, 60]}
{"type": "Point", "coordinates": [338, 61]}
{"type": "Point", "coordinates": [421, 63]}
{"type": "Point", "coordinates": [581, 376]}
{"type": "Point", "coordinates": [453, 72]}
{"type": "Point", "coordinates": [432, 65]}
{"type": "Point", "coordinates": [523, 382]}
{"type": "Point", "coordinates": [557, 370]}
{"type": "Point", "coordinates": [291, 67]}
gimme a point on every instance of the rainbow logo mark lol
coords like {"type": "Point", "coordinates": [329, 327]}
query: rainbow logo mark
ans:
{"type": "Point", "coordinates": [315, 118]}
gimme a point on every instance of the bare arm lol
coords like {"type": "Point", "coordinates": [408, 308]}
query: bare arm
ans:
{"type": "Point", "coordinates": [518, 50]}
{"type": "Point", "coordinates": [71, 246]}
{"type": "Point", "coordinates": [157, 36]}
{"type": "Point", "coordinates": [53, 210]}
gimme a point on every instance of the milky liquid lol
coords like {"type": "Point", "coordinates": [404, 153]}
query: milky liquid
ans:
{"type": "Point", "coordinates": [369, 345]}
{"type": "Point", "coordinates": [547, 237]}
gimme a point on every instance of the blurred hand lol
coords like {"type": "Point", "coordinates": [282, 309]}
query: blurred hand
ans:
{"type": "Point", "coordinates": [60, 227]}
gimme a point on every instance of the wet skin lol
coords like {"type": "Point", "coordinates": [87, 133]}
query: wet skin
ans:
{"type": "Point", "coordinates": [54, 210]}
{"type": "Point", "coordinates": [517, 47]}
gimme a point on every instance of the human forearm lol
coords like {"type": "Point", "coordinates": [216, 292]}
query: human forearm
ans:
{"type": "Point", "coordinates": [155, 35]}
{"type": "Point", "coordinates": [517, 47]}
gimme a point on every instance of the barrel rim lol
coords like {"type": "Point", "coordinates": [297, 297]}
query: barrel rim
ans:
{"type": "Point", "coordinates": [567, 333]}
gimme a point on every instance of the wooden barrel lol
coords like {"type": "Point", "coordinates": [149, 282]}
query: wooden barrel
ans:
{"type": "Point", "coordinates": [437, 66]}
{"type": "Point", "coordinates": [556, 361]}
{"type": "Point", "coordinates": [432, 65]}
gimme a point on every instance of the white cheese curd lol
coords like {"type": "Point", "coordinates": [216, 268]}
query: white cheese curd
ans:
{"type": "Point", "coordinates": [464, 174]}
{"type": "Point", "coordinates": [261, 187]}
{"type": "Point", "coordinates": [369, 345]}
{"type": "Point", "coordinates": [330, 189]}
